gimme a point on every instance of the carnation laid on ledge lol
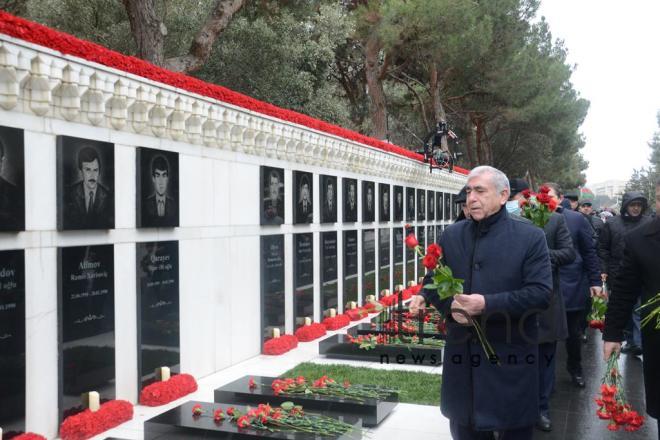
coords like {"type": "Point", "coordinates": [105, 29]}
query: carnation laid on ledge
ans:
{"type": "Point", "coordinates": [160, 393]}
{"type": "Point", "coordinates": [310, 332]}
{"type": "Point", "coordinates": [27, 436]}
{"type": "Point", "coordinates": [87, 424]}
{"type": "Point", "coordinates": [336, 322]}
{"type": "Point", "coordinates": [280, 345]}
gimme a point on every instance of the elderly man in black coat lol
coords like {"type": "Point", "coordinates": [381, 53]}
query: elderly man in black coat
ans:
{"type": "Point", "coordinates": [508, 280]}
{"type": "Point", "coordinates": [639, 273]}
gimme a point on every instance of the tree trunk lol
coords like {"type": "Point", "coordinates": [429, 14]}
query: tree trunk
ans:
{"type": "Point", "coordinates": [439, 114]}
{"type": "Point", "coordinates": [202, 45]}
{"type": "Point", "coordinates": [375, 87]}
{"type": "Point", "coordinates": [147, 28]}
{"type": "Point", "coordinates": [469, 142]}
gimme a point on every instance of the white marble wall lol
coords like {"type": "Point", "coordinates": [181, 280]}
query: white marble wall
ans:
{"type": "Point", "coordinates": [221, 148]}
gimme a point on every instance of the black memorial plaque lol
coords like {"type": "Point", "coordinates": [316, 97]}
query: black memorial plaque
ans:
{"type": "Point", "coordinates": [384, 197]}
{"type": "Point", "coordinates": [303, 202]}
{"type": "Point", "coordinates": [179, 424]}
{"type": "Point", "coordinates": [87, 323]}
{"type": "Point", "coordinates": [410, 204]}
{"type": "Point", "coordinates": [158, 308]}
{"type": "Point", "coordinates": [398, 203]}
{"type": "Point", "coordinates": [454, 207]}
{"type": "Point", "coordinates": [85, 184]}
{"type": "Point", "coordinates": [384, 258]}
{"type": "Point", "coordinates": [328, 199]}
{"type": "Point", "coordinates": [368, 262]}
{"type": "Point", "coordinates": [303, 278]}
{"type": "Point", "coordinates": [398, 256]}
{"type": "Point", "coordinates": [430, 234]}
{"type": "Point", "coordinates": [12, 180]}
{"type": "Point", "coordinates": [438, 233]}
{"type": "Point", "coordinates": [447, 207]}
{"type": "Point", "coordinates": [372, 411]}
{"type": "Point", "coordinates": [271, 196]}
{"type": "Point", "coordinates": [368, 202]}
{"type": "Point", "coordinates": [272, 285]}
{"type": "Point", "coordinates": [421, 204]}
{"type": "Point", "coordinates": [430, 205]}
{"type": "Point", "coordinates": [328, 271]}
{"type": "Point", "coordinates": [349, 188]}
{"type": "Point", "coordinates": [410, 257]}
{"type": "Point", "coordinates": [350, 266]}
{"type": "Point", "coordinates": [12, 341]}
{"type": "Point", "coordinates": [439, 206]}
{"type": "Point", "coordinates": [421, 270]}
{"type": "Point", "coordinates": [157, 201]}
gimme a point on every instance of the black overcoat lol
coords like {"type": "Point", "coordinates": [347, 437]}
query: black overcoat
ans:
{"type": "Point", "coordinates": [505, 259]}
{"type": "Point", "coordinates": [639, 272]}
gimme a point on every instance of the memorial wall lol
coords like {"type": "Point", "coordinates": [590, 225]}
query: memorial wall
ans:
{"type": "Point", "coordinates": [145, 225]}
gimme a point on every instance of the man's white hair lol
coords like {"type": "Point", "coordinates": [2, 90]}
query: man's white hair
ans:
{"type": "Point", "coordinates": [498, 178]}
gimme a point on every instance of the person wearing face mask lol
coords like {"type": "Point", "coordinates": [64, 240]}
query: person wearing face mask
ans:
{"type": "Point", "coordinates": [518, 185]}
{"type": "Point", "coordinates": [611, 247]}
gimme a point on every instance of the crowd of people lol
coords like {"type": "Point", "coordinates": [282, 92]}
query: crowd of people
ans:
{"type": "Point", "coordinates": [531, 289]}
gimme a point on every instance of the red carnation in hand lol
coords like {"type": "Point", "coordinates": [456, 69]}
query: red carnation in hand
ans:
{"type": "Point", "coordinates": [543, 198]}
{"type": "Point", "coordinates": [526, 193]}
{"type": "Point", "coordinates": [435, 250]}
{"type": "Point", "coordinates": [430, 262]}
{"type": "Point", "coordinates": [552, 204]}
{"type": "Point", "coordinates": [544, 189]}
{"type": "Point", "coordinates": [411, 241]}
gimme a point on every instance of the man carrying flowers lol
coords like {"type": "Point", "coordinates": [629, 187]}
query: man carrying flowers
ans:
{"type": "Point", "coordinates": [508, 280]}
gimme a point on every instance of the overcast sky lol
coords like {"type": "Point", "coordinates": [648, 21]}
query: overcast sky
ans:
{"type": "Point", "coordinates": [616, 47]}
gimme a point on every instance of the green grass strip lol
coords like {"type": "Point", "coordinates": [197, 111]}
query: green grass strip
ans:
{"type": "Point", "coordinates": [414, 387]}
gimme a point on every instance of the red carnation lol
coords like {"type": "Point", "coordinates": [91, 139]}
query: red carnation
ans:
{"type": "Point", "coordinates": [197, 410]}
{"type": "Point", "coordinates": [544, 189]}
{"type": "Point", "coordinates": [526, 193]}
{"type": "Point", "coordinates": [552, 204]}
{"type": "Point", "coordinates": [543, 198]}
{"type": "Point", "coordinates": [435, 250]}
{"type": "Point", "coordinates": [243, 422]}
{"type": "Point", "coordinates": [430, 262]}
{"type": "Point", "coordinates": [252, 384]}
{"type": "Point", "coordinates": [162, 392]}
{"type": "Point", "coordinates": [411, 241]}
{"type": "Point", "coordinates": [218, 415]}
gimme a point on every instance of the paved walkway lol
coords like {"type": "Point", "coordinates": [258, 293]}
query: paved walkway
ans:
{"type": "Point", "coordinates": [573, 410]}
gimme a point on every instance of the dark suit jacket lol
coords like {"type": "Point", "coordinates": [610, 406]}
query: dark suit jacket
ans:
{"type": "Point", "coordinates": [329, 215]}
{"type": "Point", "coordinates": [150, 216]}
{"type": "Point", "coordinates": [101, 216]}
{"type": "Point", "coordinates": [272, 213]}
{"type": "Point", "coordinates": [639, 272]}
{"type": "Point", "coordinates": [302, 216]}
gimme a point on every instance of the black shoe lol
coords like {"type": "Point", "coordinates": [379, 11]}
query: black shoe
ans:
{"type": "Point", "coordinates": [577, 380]}
{"type": "Point", "coordinates": [543, 423]}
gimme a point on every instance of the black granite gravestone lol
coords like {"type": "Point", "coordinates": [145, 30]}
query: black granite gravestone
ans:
{"type": "Point", "coordinates": [430, 234]}
{"type": "Point", "coordinates": [368, 202]}
{"type": "Point", "coordinates": [328, 199]}
{"type": "Point", "coordinates": [157, 201]}
{"type": "Point", "coordinates": [410, 256]}
{"type": "Point", "coordinates": [384, 259]}
{"type": "Point", "coordinates": [439, 206]}
{"type": "Point", "coordinates": [421, 238]}
{"type": "Point", "coordinates": [438, 233]}
{"type": "Point", "coordinates": [384, 198]}
{"type": "Point", "coordinates": [85, 184]}
{"type": "Point", "coordinates": [272, 285]}
{"type": "Point", "coordinates": [303, 278]}
{"type": "Point", "coordinates": [454, 210]}
{"type": "Point", "coordinates": [12, 180]}
{"type": "Point", "coordinates": [371, 410]}
{"type": "Point", "coordinates": [87, 324]}
{"type": "Point", "coordinates": [447, 207]}
{"type": "Point", "coordinates": [12, 341]}
{"type": "Point", "coordinates": [271, 196]}
{"type": "Point", "coordinates": [430, 206]}
{"type": "Point", "coordinates": [398, 256]}
{"type": "Point", "coordinates": [350, 266]}
{"type": "Point", "coordinates": [421, 205]}
{"type": "Point", "coordinates": [158, 308]}
{"type": "Point", "coordinates": [398, 203]}
{"type": "Point", "coordinates": [179, 424]}
{"type": "Point", "coordinates": [303, 201]}
{"type": "Point", "coordinates": [350, 194]}
{"type": "Point", "coordinates": [328, 271]}
{"type": "Point", "coordinates": [410, 204]}
{"type": "Point", "coordinates": [368, 262]}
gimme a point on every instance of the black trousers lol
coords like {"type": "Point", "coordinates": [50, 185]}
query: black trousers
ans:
{"type": "Point", "coordinates": [547, 353]}
{"type": "Point", "coordinates": [459, 432]}
{"type": "Point", "coordinates": [573, 343]}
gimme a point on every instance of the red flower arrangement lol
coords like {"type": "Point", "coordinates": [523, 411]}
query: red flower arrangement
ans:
{"type": "Point", "coordinates": [162, 392]}
{"type": "Point", "coordinates": [370, 307]}
{"type": "Point", "coordinates": [538, 207]}
{"type": "Point", "coordinates": [310, 332]}
{"type": "Point", "coordinates": [612, 404]}
{"type": "Point", "coordinates": [336, 322]}
{"type": "Point", "coordinates": [357, 314]}
{"type": "Point", "coordinates": [29, 436]}
{"type": "Point", "coordinates": [70, 45]}
{"type": "Point", "coordinates": [87, 424]}
{"type": "Point", "coordinates": [277, 346]}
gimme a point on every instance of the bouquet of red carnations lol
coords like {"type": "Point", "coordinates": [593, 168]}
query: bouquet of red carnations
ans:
{"type": "Point", "coordinates": [612, 403]}
{"type": "Point", "coordinates": [596, 318]}
{"type": "Point", "coordinates": [538, 207]}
